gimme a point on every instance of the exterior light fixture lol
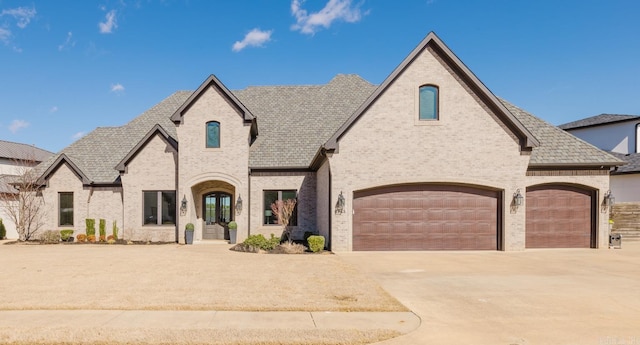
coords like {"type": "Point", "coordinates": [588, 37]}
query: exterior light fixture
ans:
{"type": "Point", "coordinates": [517, 198]}
{"type": "Point", "coordinates": [340, 204]}
{"type": "Point", "coordinates": [183, 204]}
{"type": "Point", "coordinates": [239, 205]}
{"type": "Point", "coordinates": [609, 200]}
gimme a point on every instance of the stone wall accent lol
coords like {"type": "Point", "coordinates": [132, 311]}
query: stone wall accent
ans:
{"type": "Point", "coordinates": [626, 220]}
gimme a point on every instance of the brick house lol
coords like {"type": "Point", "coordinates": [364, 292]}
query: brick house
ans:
{"type": "Point", "coordinates": [429, 159]}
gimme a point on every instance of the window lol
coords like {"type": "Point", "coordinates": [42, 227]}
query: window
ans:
{"type": "Point", "coordinates": [428, 102]}
{"type": "Point", "coordinates": [271, 196]}
{"type": "Point", "coordinates": [213, 134]}
{"type": "Point", "coordinates": [65, 208]}
{"type": "Point", "coordinates": [159, 208]}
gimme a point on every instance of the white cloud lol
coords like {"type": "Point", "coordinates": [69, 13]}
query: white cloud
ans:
{"type": "Point", "coordinates": [17, 125]}
{"type": "Point", "coordinates": [255, 38]}
{"type": "Point", "coordinates": [23, 15]}
{"type": "Point", "coordinates": [5, 35]}
{"type": "Point", "coordinates": [68, 42]}
{"type": "Point", "coordinates": [78, 135]}
{"type": "Point", "coordinates": [334, 10]}
{"type": "Point", "coordinates": [53, 109]}
{"type": "Point", "coordinates": [117, 87]}
{"type": "Point", "coordinates": [110, 23]}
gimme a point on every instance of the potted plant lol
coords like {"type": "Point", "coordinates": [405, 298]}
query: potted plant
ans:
{"type": "Point", "coordinates": [233, 232]}
{"type": "Point", "coordinates": [188, 233]}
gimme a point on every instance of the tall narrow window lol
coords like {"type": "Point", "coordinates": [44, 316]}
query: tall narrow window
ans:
{"type": "Point", "coordinates": [65, 208]}
{"type": "Point", "coordinates": [213, 134]}
{"type": "Point", "coordinates": [428, 102]}
{"type": "Point", "coordinates": [159, 208]}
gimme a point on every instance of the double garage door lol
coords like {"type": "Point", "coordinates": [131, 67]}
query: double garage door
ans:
{"type": "Point", "coordinates": [450, 217]}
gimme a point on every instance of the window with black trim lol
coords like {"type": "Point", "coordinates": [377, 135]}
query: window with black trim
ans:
{"type": "Point", "coordinates": [65, 209]}
{"type": "Point", "coordinates": [159, 208]}
{"type": "Point", "coordinates": [272, 196]}
{"type": "Point", "coordinates": [428, 102]}
{"type": "Point", "coordinates": [213, 134]}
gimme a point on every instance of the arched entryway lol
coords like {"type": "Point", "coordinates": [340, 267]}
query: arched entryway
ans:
{"type": "Point", "coordinates": [217, 214]}
{"type": "Point", "coordinates": [214, 202]}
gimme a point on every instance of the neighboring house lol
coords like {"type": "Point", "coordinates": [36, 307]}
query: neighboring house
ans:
{"type": "Point", "coordinates": [15, 159]}
{"type": "Point", "coordinates": [429, 159]}
{"type": "Point", "coordinates": [620, 135]}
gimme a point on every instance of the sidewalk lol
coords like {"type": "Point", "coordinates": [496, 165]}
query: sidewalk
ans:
{"type": "Point", "coordinates": [402, 322]}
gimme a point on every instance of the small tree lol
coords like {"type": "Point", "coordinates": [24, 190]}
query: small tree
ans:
{"type": "Point", "coordinates": [283, 211]}
{"type": "Point", "coordinates": [21, 199]}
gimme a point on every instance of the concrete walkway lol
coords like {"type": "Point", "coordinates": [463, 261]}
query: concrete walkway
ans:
{"type": "Point", "coordinates": [403, 322]}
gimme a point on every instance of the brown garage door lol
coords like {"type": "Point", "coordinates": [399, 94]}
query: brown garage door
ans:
{"type": "Point", "coordinates": [425, 217]}
{"type": "Point", "coordinates": [559, 217]}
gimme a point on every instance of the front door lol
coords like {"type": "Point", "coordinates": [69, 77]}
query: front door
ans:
{"type": "Point", "coordinates": [217, 215]}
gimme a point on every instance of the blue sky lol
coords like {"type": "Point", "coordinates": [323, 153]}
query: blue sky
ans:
{"type": "Point", "coordinates": [68, 66]}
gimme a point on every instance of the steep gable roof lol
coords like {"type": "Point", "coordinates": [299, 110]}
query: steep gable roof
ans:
{"type": "Point", "coordinates": [558, 148]}
{"type": "Point", "coordinates": [602, 119]}
{"type": "Point", "coordinates": [527, 140]}
{"type": "Point", "coordinates": [11, 150]}
{"type": "Point", "coordinates": [213, 81]}
{"type": "Point", "coordinates": [156, 130]}
{"type": "Point", "coordinates": [59, 161]}
{"type": "Point", "coordinates": [97, 153]}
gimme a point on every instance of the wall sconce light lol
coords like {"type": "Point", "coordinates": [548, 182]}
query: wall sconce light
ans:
{"type": "Point", "coordinates": [517, 198]}
{"type": "Point", "coordinates": [609, 200]}
{"type": "Point", "coordinates": [183, 204]}
{"type": "Point", "coordinates": [239, 205]}
{"type": "Point", "coordinates": [340, 204]}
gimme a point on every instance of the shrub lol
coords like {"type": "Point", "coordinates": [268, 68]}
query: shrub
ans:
{"type": "Point", "coordinates": [114, 231]}
{"type": "Point", "coordinates": [91, 226]}
{"type": "Point", "coordinates": [65, 234]}
{"type": "Point", "coordinates": [189, 227]}
{"type": "Point", "coordinates": [91, 238]}
{"type": "Point", "coordinates": [111, 237]}
{"type": "Point", "coordinates": [262, 242]}
{"type": "Point", "coordinates": [103, 228]}
{"type": "Point", "coordinates": [111, 241]}
{"type": "Point", "coordinates": [3, 230]}
{"type": "Point", "coordinates": [103, 238]}
{"type": "Point", "coordinates": [316, 243]}
{"type": "Point", "coordinates": [289, 248]}
{"type": "Point", "coordinates": [50, 236]}
{"type": "Point", "coordinates": [82, 238]}
{"type": "Point", "coordinates": [233, 225]}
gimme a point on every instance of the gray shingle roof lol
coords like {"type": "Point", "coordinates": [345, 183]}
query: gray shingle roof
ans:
{"type": "Point", "coordinates": [557, 147]}
{"type": "Point", "coordinates": [97, 153]}
{"type": "Point", "coordinates": [11, 150]}
{"type": "Point", "coordinates": [294, 121]}
{"type": "Point", "coordinates": [598, 120]}
{"type": "Point", "coordinates": [633, 163]}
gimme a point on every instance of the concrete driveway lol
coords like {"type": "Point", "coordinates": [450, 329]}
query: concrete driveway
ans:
{"type": "Point", "coordinates": [566, 296]}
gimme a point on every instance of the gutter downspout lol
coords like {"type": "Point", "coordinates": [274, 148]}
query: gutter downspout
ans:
{"type": "Point", "coordinates": [249, 202]}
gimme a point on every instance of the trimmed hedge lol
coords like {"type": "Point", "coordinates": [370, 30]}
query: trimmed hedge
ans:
{"type": "Point", "coordinates": [316, 243]}
{"type": "Point", "coordinates": [262, 242]}
{"type": "Point", "coordinates": [65, 234]}
{"type": "Point", "coordinates": [91, 227]}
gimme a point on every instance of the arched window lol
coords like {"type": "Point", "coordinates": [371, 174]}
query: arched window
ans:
{"type": "Point", "coordinates": [428, 102]}
{"type": "Point", "coordinates": [213, 134]}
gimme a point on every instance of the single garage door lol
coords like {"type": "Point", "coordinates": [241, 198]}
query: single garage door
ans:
{"type": "Point", "coordinates": [426, 217]}
{"type": "Point", "coordinates": [559, 217]}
